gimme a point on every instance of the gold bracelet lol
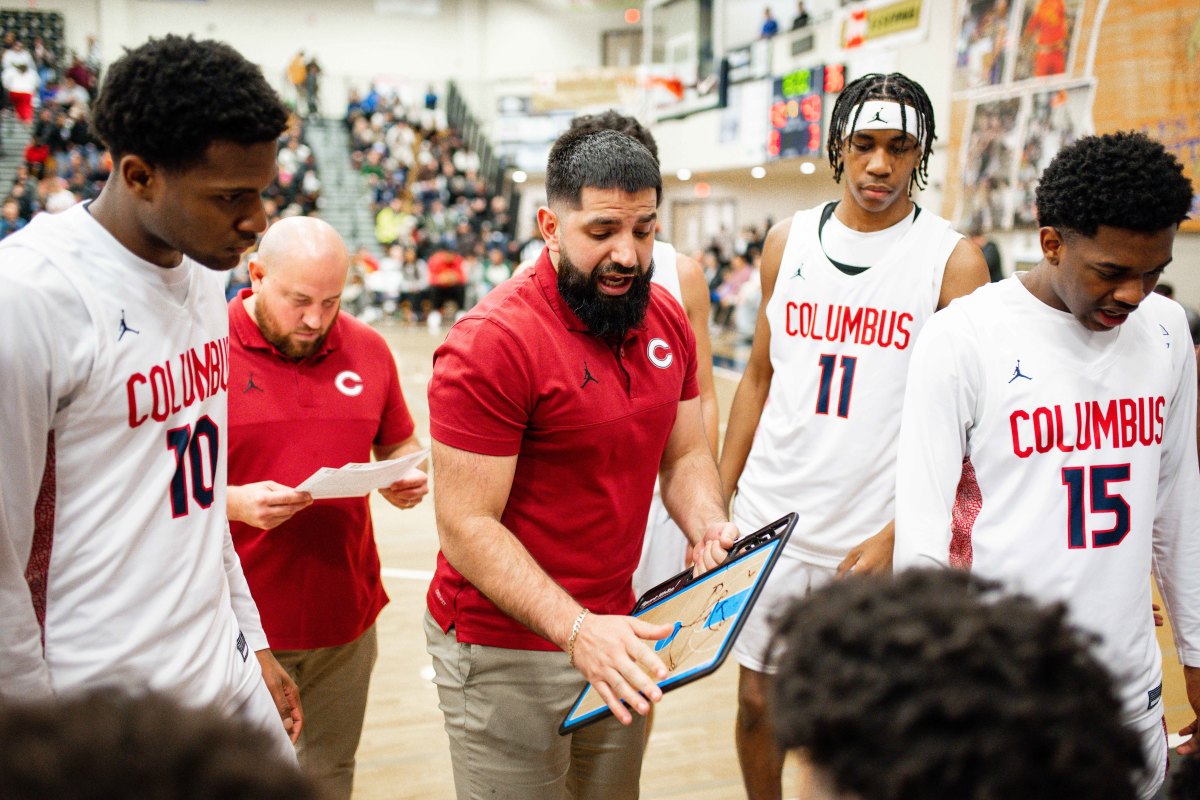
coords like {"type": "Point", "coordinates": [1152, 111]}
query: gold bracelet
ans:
{"type": "Point", "coordinates": [574, 633]}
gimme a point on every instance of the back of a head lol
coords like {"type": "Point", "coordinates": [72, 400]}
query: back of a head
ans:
{"type": "Point", "coordinates": [935, 686]}
{"type": "Point", "coordinates": [612, 120]}
{"type": "Point", "coordinates": [169, 99]}
{"type": "Point", "coordinates": [1185, 782]}
{"type": "Point", "coordinates": [894, 87]}
{"type": "Point", "coordinates": [108, 746]}
{"type": "Point", "coordinates": [1121, 180]}
{"type": "Point", "coordinates": [598, 159]}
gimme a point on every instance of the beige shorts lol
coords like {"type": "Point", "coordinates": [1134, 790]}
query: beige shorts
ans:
{"type": "Point", "coordinates": [791, 579]}
{"type": "Point", "coordinates": [502, 710]}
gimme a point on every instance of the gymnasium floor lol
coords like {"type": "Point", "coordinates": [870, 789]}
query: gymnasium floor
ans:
{"type": "Point", "coordinates": [404, 752]}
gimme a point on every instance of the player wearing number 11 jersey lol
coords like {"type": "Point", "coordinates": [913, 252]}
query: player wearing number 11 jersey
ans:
{"type": "Point", "coordinates": [847, 287]}
{"type": "Point", "coordinates": [116, 564]}
{"type": "Point", "coordinates": [1047, 433]}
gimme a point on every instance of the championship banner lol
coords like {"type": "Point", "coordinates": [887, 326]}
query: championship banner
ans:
{"type": "Point", "coordinates": [877, 21]}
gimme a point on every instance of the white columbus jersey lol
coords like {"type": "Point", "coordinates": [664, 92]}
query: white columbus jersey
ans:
{"type": "Point", "coordinates": [1080, 472]}
{"type": "Point", "coordinates": [665, 547]}
{"type": "Point", "coordinates": [666, 275]}
{"type": "Point", "coordinates": [825, 445]}
{"type": "Point", "coordinates": [666, 271]}
{"type": "Point", "coordinates": [115, 422]}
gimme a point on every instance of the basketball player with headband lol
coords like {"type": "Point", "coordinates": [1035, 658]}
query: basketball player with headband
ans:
{"type": "Point", "coordinates": [846, 288]}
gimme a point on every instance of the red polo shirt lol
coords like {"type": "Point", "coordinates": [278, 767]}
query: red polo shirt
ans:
{"type": "Point", "coordinates": [520, 375]}
{"type": "Point", "coordinates": [315, 577]}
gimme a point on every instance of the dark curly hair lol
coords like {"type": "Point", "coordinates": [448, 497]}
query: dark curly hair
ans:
{"type": "Point", "coordinates": [876, 86]}
{"type": "Point", "coordinates": [170, 98]}
{"type": "Point", "coordinates": [598, 159]}
{"type": "Point", "coordinates": [611, 120]}
{"type": "Point", "coordinates": [1123, 180]}
{"type": "Point", "coordinates": [935, 686]}
{"type": "Point", "coordinates": [106, 745]}
{"type": "Point", "coordinates": [1185, 781]}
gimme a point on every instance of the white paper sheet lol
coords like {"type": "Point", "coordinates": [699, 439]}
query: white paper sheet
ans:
{"type": "Point", "coordinates": [356, 480]}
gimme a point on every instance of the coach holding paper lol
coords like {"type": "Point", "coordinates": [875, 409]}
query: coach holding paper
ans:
{"type": "Point", "coordinates": [553, 405]}
{"type": "Point", "coordinates": [312, 387]}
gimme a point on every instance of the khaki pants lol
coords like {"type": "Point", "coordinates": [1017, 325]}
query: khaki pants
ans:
{"type": "Point", "coordinates": [503, 708]}
{"type": "Point", "coordinates": [333, 685]}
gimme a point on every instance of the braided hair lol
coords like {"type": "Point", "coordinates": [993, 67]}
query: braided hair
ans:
{"type": "Point", "coordinates": [875, 86]}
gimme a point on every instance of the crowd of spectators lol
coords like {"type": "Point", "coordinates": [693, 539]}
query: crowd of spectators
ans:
{"type": "Point", "coordinates": [62, 161]}
{"type": "Point", "coordinates": [731, 265]}
{"type": "Point", "coordinates": [447, 240]}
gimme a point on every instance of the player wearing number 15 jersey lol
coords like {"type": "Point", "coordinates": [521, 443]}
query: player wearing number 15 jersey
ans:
{"type": "Point", "coordinates": [116, 564]}
{"type": "Point", "coordinates": [1047, 433]}
{"type": "Point", "coordinates": [846, 288]}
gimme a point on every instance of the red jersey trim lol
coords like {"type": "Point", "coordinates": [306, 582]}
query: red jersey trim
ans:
{"type": "Point", "coordinates": [37, 571]}
{"type": "Point", "coordinates": [968, 502]}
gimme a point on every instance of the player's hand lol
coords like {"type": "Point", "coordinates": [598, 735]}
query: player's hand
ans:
{"type": "Point", "coordinates": [1191, 681]}
{"type": "Point", "coordinates": [1156, 610]}
{"type": "Point", "coordinates": [613, 655]}
{"type": "Point", "coordinates": [408, 491]}
{"type": "Point", "coordinates": [264, 505]}
{"type": "Point", "coordinates": [873, 556]}
{"type": "Point", "coordinates": [284, 692]}
{"type": "Point", "coordinates": [713, 548]}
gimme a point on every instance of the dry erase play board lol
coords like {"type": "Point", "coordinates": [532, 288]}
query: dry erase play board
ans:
{"type": "Point", "coordinates": [705, 613]}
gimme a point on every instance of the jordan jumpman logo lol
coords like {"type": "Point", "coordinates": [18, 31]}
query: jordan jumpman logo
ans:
{"type": "Point", "coordinates": [250, 384]}
{"type": "Point", "coordinates": [878, 117]}
{"type": "Point", "coordinates": [587, 376]}
{"type": "Point", "coordinates": [1018, 374]}
{"type": "Point", "coordinates": [124, 329]}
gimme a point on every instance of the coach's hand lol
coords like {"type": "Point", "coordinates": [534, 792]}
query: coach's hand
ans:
{"type": "Point", "coordinates": [613, 654]}
{"type": "Point", "coordinates": [284, 692]}
{"type": "Point", "coordinates": [872, 557]}
{"type": "Point", "coordinates": [264, 505]}
{"type": "Point", "coordinates": [408, 491]}
{"type": "Point", "coordinates": [712, 549]}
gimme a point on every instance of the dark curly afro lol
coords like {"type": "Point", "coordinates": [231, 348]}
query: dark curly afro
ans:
{"type": "Point", "coordinates": [1122, 180]}
{"type": "Point", "coordinates": [169, 99]}
{"type": "Point", "coordinates": [104, 745]}
{"type": "Point", "coordinates": [936, 686]}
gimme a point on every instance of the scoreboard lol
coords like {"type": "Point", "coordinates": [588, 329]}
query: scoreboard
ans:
{"type": "Point", "coordinates": [798, 110]}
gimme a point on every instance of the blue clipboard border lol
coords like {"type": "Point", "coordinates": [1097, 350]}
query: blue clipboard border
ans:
{"type": "Point", "coordinates": [774, 536]}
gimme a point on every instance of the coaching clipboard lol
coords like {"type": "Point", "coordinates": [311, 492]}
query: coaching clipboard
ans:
{"type": "Point", "coordinates": [707, 613]}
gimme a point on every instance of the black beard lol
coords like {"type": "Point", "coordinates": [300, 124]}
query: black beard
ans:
{"type": "Point", "coordinates": [608, 317]}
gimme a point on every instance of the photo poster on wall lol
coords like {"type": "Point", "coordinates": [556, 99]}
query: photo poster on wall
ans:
{"type": "Point", "coordinates": [1031, 76]}
{"type": "Point", "coordinates": [1010, 142]}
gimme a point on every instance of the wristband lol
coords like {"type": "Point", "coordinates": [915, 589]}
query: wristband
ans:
{"type": "Point", "coordinates": [574, 633]}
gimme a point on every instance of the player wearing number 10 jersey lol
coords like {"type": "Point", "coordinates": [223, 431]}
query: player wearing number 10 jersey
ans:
{"type": "Point", "coordinates": [1047, 433]}
{"type": "Point", "coordinates": [116, 564]}
{"type": "Point", "coordinates": [847, 287]}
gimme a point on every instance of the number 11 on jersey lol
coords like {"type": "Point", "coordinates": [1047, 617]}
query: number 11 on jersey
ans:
{"type": "Point", "coordinates": [828, 363]}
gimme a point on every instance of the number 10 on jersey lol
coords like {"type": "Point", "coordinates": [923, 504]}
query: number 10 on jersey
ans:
{"type": "Point", "coordinates": [828, 363]}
